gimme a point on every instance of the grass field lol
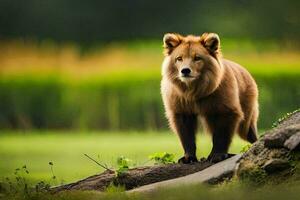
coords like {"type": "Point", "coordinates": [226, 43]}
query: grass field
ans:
{"type": "Point", "coordinates": [65, 150]}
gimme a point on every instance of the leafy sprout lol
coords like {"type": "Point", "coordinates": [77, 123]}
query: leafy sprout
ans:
{"type": "Point", "coordinates": [162, 158]}
{"type": "Point", "coordinates": [123, 165]}
{"type": "Point", "coordinates": [51, 167]}
{"type": "Point", "coordinates": [246, 148]}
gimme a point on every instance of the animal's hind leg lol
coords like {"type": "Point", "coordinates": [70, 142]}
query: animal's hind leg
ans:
{"type": "Point", "coordinates": [248, 127]}
{"type": "Point", "coordinates": [252, 133]}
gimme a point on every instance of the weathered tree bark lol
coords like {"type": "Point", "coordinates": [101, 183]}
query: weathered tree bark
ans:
{"type": "Point", "coordinates": [213, 174]}
{"type": "Point", "coordinates": [134, 177]}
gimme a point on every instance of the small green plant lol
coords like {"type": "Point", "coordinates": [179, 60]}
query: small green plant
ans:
{"type": "Point", "coordinates": [21, 180]}
{"type": "Point", "coordinates": [245, 148]}
{"type": "Point", "coordinates": [53, 177]}
{"type": "Point", "coordinates": [276, 123]}
{"type": "Point", "coordinates": [52, 172]}
{"type": "Point", "coordinates": [123, 165]}
{"type": "Point", "coordinates": [20, 184]}
{"type": "Point", "coordinates": [162, 158]}
{"type": "Point", "coordinates": [42, 187]}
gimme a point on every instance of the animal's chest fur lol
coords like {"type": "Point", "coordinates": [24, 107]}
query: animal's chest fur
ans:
{"type": "Point", "coordinates": [191, 105]}
{"type": "Point", "coordinates": [186, 105]}
{"type": "Point", "coordinates": [201, 106]}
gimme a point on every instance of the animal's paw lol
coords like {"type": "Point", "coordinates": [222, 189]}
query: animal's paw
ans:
{"type": "Point", "coordinates": [218, 157]}
{"type": "Point", "coordinates": [187, 160]}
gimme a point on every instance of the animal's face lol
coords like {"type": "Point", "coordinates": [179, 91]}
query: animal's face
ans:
{"type": "Point", "coordinates": [188, 60]}
{"type": "Point", "coordinates": [190, 57]}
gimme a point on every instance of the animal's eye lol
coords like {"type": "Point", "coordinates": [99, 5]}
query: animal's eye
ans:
{"type": "Point", "coordinates": [179, 58]}
{"type": "Point", "coordinates": [197, 58]}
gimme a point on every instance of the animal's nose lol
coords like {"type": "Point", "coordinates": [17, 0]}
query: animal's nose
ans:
{"type": "Point", "coordinates": [185, 71]}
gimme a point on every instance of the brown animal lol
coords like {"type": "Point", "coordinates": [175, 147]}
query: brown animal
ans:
{"type": "Point", "coordinates": [198, 82]}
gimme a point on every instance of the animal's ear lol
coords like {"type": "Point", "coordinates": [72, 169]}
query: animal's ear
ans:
{"type": "Point", "coordinates": [211, 42]}
{"type": "Point", "coordinates": [171, 41]}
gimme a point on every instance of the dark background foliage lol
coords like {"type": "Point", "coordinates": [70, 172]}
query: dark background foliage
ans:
{"type": "Point", "coordinates": [97, 21]}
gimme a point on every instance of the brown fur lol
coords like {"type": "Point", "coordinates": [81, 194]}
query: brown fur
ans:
{"type": "Point", "coordinates": [222, 93]}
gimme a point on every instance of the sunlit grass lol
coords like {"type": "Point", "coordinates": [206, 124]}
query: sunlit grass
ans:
{"type": "Point", "coordinates": [66, 149]}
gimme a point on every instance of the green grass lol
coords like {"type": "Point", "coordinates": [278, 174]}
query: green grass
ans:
{"type": "Point", "coordinates": [234, 190]}
{"type": "Point", "coordinates": [66, 149]}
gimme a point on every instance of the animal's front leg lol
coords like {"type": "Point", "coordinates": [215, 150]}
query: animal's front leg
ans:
{"type": "Point", "coordinates": [222, 127]}
{"type": "Point", "coordinates": [185, 126]}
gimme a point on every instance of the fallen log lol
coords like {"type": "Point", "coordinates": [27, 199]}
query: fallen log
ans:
{"type": "Point", "coordinates": [134, 177]}
{"type": "Point", "coordinates": [211, 175]}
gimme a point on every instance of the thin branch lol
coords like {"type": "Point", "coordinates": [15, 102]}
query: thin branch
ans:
{"type": "Point", "coordinates": [95, 161]}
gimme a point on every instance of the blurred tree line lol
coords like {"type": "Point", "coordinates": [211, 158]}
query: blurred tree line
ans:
{"type": "Point", "coordinates": [116, 103]}
{"type": "Point", "coordinates": [99, 21]}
